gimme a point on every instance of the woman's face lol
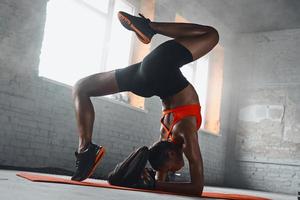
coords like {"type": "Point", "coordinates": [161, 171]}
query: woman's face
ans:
{"type": "Point", "coordinates": [175, 161]}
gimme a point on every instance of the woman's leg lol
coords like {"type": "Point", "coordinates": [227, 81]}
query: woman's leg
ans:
{"type": "Point", "coordinates": [198, 39]}
{"type": "Point", "coordinates": [95, 85]}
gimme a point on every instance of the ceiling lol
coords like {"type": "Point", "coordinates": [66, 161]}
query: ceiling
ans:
{"type": "Point", "coordinates": [255, 15]}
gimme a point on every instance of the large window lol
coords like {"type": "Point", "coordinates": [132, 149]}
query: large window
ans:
{"type": "Point", "coordinates": [83, 37]}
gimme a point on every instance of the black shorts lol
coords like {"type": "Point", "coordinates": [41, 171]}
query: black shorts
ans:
{"type": "Point", "coordinates": [158, 74]}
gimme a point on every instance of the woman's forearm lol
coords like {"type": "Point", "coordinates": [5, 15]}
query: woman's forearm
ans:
{"type": "Point", "coordinates": [180, 187]}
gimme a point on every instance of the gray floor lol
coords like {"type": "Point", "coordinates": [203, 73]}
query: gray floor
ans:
{"type": "Point", "coordinates": [13, 187]}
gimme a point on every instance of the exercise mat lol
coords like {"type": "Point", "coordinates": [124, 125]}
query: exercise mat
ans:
{"type": "Point", "coordinates": [104, 184]}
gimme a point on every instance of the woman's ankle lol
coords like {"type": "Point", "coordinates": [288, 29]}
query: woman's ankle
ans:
{"type": "Point", "coordinates": [83, 146]}
{"type": "Point", "coordinates": [154, 26]}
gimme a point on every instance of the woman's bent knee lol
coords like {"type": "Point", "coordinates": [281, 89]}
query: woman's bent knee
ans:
{"type": "Point", "coordinates": [96, 85]}
{"type": "Point", "coordinates": [215, 34]}
{"type": "Point", "coordinates": [77, 88]}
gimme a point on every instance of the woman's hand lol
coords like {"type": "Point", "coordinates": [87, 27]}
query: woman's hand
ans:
{"type": "Point", "coordinates": [147, 180]}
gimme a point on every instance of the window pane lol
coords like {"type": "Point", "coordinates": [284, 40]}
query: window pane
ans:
{"type": "Point", "coordinates": [73, 41]}
{"type": "Point", "coordinates": [200, 84]}
{"type": "Point", "coordinates": [101, 5]}
{"type": "Point", "coordinates": [187, 71]}
{"type": "Point", "coordinates": [214, 93]}
{"type": "Point", "coordinates": [120, 42]}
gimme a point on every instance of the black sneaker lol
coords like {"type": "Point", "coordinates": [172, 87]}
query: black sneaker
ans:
{"type": "Point", "coordinates": [87, 162]}
{"type": "Point", "coordinates": [140, 25]}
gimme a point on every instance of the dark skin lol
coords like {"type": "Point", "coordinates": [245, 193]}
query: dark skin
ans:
{"type": "Point", "coordinates": [185, 135]}
{"type": "Point", "coordinates": [199, 40]}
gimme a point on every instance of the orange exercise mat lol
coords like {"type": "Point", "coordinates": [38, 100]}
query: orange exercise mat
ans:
{"type": "Point", "coordinates": [105, 184]}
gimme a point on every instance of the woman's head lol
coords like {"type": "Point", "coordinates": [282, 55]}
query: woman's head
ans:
{"type": "Point", "coordinates": [166, 156]}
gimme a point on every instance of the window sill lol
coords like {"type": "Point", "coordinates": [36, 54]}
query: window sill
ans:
{"type": "Point", "coordinates": [209, 133]}
{"type": "Point", "coordinates": [102, 97]}
{"type": "Point", "coordinates": [123, 104]}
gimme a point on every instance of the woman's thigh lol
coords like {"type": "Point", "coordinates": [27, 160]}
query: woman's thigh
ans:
{"type": "Point", "coordinates": [199, 45]}
{"type": "Point", "coordinates": [99, 84]}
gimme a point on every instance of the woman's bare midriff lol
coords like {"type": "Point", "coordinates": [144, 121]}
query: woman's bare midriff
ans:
{"type": "Point", "coordinates": [185, 97]}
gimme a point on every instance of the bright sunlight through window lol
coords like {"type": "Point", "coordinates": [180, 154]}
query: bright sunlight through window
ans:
{"type": "Point", "coordinates": [82, 37]}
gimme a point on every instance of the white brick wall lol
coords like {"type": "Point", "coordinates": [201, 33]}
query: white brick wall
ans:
{"type": "Point", "coordinates": [265, 150]}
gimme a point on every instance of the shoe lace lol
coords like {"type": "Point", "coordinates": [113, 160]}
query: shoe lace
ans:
{"type": "Point", "coordinates": [77, 160]}
{"type": "Point", "coordinates": [77, 163]}
{"type": "Point", "coordinates": [140, 14]}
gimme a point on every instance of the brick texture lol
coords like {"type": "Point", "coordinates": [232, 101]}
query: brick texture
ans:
{"type": "Point", "coordinates": [265, 140]}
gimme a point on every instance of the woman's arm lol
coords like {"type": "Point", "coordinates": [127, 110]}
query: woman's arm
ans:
{"type": "Point", "coordinates": [161, 175]}
{"type": "Point", "coordinates": [193, 154]}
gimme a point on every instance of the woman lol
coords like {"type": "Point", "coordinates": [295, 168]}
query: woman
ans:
{"type": "Point", "coordinates": [158, 74]}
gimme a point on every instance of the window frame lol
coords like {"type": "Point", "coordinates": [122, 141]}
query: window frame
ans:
{"type": "Point", "coordinates": [108, 29]}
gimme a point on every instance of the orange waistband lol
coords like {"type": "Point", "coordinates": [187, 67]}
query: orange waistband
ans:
{"type": "Point", "coordinates": [181, 112]}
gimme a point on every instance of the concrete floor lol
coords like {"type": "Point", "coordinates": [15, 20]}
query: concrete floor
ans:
{"type": "Point", "coordinates": [13, 187]}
